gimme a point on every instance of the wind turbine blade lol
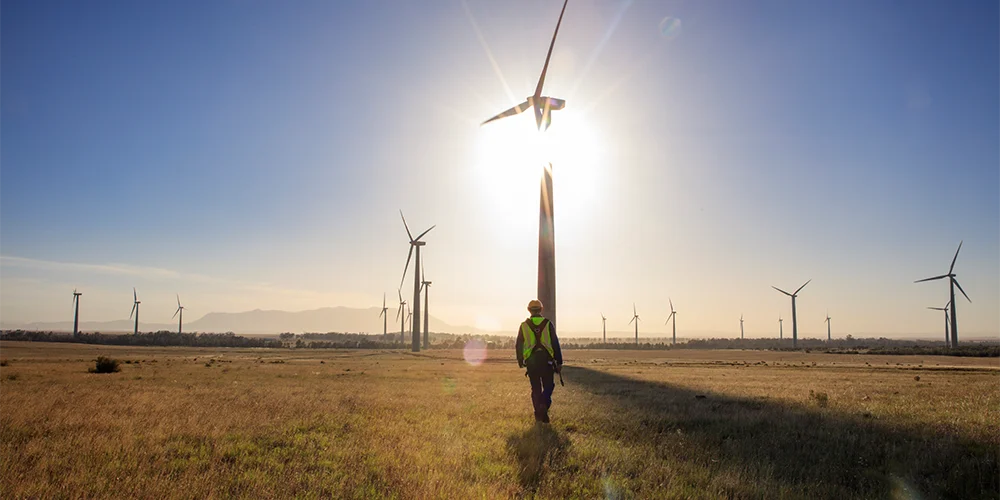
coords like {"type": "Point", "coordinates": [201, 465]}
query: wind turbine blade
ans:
{"type": "Point", "coordinates": [175, 313]}
{"type": "Point", "coordinates": [633, 310]}
{"type": "Point", "coordinates": [934, 278]}
{"type": "Point", "coordinates": [398, 311]}
{"type": "Point", "coordinates": [425, 232]}
{"type": "Point", "coordinates": [952, 268]}
{"type": "Point", "coordinates": [134, 305]}
{"type": "Point", "coordinates": [383, 300]}
{"type": "Point", "coordinates": [178, 300]}
{"type": "Point", "coordinates": [545, 68]}
{"type": "Point", "coordinates": [408, 235]}
{"type": "Point", "coordinates": [516, 110]}
{"type": "Point", "coordinates": [960, 289]}
{"type": "Point", "coordinates": [631, 320]}
{"type": "Point", "coordinates": [782, 291]}
{"type": "Point", "coordinates": [407, 267]}
{"type": "Point", "coordinates": [671, 304]}
{"type": "Point", "coordinates": [135, 297]}
{"type": "Point", "coordinates": [381, 311]}
{"type": "Point", "coordinates": [801, 287]}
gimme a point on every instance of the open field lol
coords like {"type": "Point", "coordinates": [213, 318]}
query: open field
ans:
{"type": "Point", "coordinates": [184, 422]}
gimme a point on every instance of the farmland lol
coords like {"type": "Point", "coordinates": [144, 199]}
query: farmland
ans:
{"type": "Point", "coordinates": [199, 422]}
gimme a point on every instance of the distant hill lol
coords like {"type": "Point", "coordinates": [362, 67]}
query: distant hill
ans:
{"type": "Point", "coordinates": [258, 322]}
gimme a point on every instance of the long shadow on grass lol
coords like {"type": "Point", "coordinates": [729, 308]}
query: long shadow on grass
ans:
{"type": "Point", "coordinates": [536, 449]}
{"type": "Point", "coordinates": [778, 449]}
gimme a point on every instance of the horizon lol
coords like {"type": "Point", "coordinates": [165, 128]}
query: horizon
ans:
{"type": "Point", "coordinates": [266, 150]}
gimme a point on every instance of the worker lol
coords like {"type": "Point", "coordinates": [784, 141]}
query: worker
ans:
{"type": "Point", "coordinates": [538, 350]}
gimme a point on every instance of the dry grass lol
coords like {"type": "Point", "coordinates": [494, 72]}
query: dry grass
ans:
{"type": "Point", "coordinates": [181, 422]}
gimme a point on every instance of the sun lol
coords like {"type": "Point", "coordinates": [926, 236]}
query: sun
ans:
{"type": "Point", "coordinates": [510, 156]}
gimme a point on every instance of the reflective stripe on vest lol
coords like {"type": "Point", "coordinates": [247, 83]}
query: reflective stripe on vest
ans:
{"type": "Point", "coordinates": [528, 332]}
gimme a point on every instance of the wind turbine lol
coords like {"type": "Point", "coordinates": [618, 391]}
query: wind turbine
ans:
{"type": "Point", "coordinates": [673, 316]}
{"type": "Point", "coordinates": [954, 283]}
{"type": "Point", "coordinates": [781, 329]}
{"type": "Point", "coordinates": [401, 314]}
{"type": "Point", "coordinates": [947, 342]}
{"type": "Point", "coordinates": [635, 317]}
{"type": "Point", "coordinates": [135, 309]}
{"type": "Point", "coordinates": [76, 312]}
{"type": "Point", "coordinates": [795, 324]}
{"type": "Point", "coordinates": [426, 285]}
{"type": "Point", "coordinates": [385, 317]}
{"type": "Point", "coordinates": [408, 316]}
{"type": "Point", "coordinates": [415, 305]}
{"type": "Point", "coordinates": [741, 327]}
{"type": "Point", "coordinates": [604, 327]}
{"type": "Point", "coordinates": [180, 311]}
{"type": "Point", "coordinates": [828, 326]}
{"type": "Point", "coordinates": [543, 106]}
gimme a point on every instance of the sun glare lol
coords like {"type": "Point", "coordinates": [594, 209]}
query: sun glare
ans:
{"type": "Point", "coordinates": [511, 153]}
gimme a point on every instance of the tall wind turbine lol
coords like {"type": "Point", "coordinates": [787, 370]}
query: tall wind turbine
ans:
{"type": "Point", "coordinates": [76, 312]}
{"type": "Point", "coordinates": [635, 317]}
{"type": "Point", "coordinates": [741, 327]}
{"type": "Point", "coordinates": [947, 342]}
{"type": "Point", "coordinates": [673, 316]}
{"type": "Point", "coordinates": [543, 106]}
{"type": "Point", "coordinates": [400, 313]}
{"type": "Point", "coordinates": [385, 317]}
{"type": "Point", "coordinates": [954, 283]}
{"type": "Point", "coordinates": [795, 324]}
{"type": "Point", "coordinates": [180, 311]}
{"type": "Point", "coordinates": [135, 309]}
{"type": "Point", "coordinates": [828, 326]}
{"type": "Point", "coordinates": [604, 327]}
{"type": "Point", "coordinates": [415, 305]}
{"type": "Point", "coordinates": [426, 285]}
{"type": "Point", "coordinates": [781, 329]}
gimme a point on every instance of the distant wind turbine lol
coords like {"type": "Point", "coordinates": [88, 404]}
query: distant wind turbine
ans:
{"type": "Point", "coordinates": [135, 310]}
{"type": "Point", "coordinates": [604, 327]}
{"type": "Point", "coordinates": [415, 305]}
{"type": "Point", "coordinates": [947, 342]}
{"type": "Point", "coordinates": [76, 312]}
{"type": "Point", "coordinates": [954, 283]}
{"type": "Point", "coordinates": [180, 311]}
{"type": "Point", "coordinates": [828, 338]}
{"type": "Point", "coordinates": [543, 106]}
{"type": "Point", "coordinates": [635, 317]}
{"type": "Point", "coordinates": [673, 316]}
{"type": "Point", "coordinates": [385, 317]}
{"type": "Point", "coordinates": [781, 330]}
{"type": "Point", "coordinates": [401, 313]}
{"type": "Point", "coordinates": [795, 324]}
{"type": "Point", "coordinates": [426, 285]}
{"type": "Point", "coordinates": [741, 327]}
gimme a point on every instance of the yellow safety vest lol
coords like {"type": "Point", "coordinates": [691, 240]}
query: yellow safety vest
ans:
{"type": "Point", "coordinates": [528, 332]}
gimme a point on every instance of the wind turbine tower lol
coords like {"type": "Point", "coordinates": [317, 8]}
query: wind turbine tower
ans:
{"type": "Point", "coordinates": [828, 338]}
{"type": "Point", "coordinates": [741, 327]}
{"type": "Point", "coordinates": [673, 316]}
{"type": "Point", "coordinates": [400, 313]}
{"type": "Point", "coordinates": [415, 305]}
{"type": "Point", "coordinates": [795, 324]}
{"type": "Point", "coordinates": [947, 342]}
{"type": "Point", "coordinates": [76, 312]}
{"type": "Point", "coordinates": [635, 317]}
{"type": "Point", "coordinates": [954, 283]}
{"type": "Point", "coordinates": [426, 286]}
{"type": "Point", "coordinates": [781, 329]}
{"type": "Point", "coordinates": [604, 327]}
{"type": "Point", "coordinates": [543, 107]}
{"type": "Point", "coordinates": [135, 309]}
{"type": "Point", "coordinates": [179, 311]}
{"type": "Point", "coordinates": [385, 317]}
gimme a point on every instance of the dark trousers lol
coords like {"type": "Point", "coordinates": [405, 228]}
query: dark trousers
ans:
{"type": "Point", "coordinates": [542, 383]}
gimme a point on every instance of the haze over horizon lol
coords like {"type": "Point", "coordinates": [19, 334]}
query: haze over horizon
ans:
{"type": "Point", "coordinates": [255, 156]}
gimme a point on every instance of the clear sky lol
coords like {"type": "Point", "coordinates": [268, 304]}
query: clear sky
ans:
{"type": "Point", "coordinates": [255, 154]}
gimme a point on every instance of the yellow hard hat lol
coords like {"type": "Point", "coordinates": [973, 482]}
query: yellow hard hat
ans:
{"type": "Point", "coordinates": [535, 305]}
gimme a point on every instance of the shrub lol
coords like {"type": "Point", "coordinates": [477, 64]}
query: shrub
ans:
{"type": "Point", "coordinates": [822, 399]}
{"type": "Point", "coordinates": [106, 365]}
{"type": "Point", "coordinates": [4, 362]}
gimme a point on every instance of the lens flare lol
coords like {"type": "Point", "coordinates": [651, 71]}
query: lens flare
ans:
{"type": "Point", "coordinates": [670, 27]}
{"type": "Point", "coordinates": [474, 352]}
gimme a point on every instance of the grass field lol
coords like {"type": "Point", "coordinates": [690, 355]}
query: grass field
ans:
{"type": "Point", "coordinates": [178, 422]}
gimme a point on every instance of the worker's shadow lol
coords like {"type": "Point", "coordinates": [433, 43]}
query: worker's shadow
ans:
{"type": "Point", "coordinates": [537, 449]}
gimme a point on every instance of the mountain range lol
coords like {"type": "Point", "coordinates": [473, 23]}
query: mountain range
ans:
{"type": "Point", "coordinates": [258, 322]}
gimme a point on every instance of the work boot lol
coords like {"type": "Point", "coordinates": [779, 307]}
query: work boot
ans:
{"type": "Point", "coordinates": [545, 418]}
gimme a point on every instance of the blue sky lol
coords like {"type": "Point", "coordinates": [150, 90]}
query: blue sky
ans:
{"type": "Point", "coordinates": [255, 154]}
